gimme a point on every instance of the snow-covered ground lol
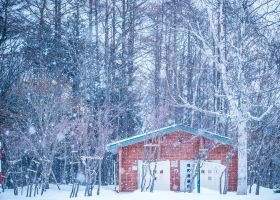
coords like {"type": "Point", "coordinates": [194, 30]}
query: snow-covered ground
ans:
{"type": "Point", "coordinates": [107, 193]}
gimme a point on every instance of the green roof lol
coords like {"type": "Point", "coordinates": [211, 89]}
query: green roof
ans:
{"type": "Point", "coordinates": [113, 147]}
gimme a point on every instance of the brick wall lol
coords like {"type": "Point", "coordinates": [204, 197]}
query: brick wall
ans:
{"type": "Point", "coordinates": [175, 146]}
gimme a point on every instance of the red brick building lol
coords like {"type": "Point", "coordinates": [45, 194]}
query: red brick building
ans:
{"type": "Point", "coordinates": [178, 146]}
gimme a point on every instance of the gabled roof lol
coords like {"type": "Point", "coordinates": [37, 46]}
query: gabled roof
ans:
{"type": "Point", "coordinates": [113, 147]}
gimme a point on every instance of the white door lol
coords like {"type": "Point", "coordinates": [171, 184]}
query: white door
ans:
{"type": "Point", "coordinates": [162, 181]}
{"type": "Point", "coordinates": [187, 168]}
{"type": "Point", "coordinates": [210, 174]}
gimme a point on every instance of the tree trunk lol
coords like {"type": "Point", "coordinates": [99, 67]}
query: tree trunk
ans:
{"type": "Point", "coordinates": [90, 20]}
{"type": "Point", "coordinates": [228, 160]}
{"type": "Point", "coordinates": [270, 183]}
{"type": "Point", "coordinates": [106, 55]}
{"type": "Point", "coordinates": [258, 184]}
{"type": "Point", "coordinates": [242, 159]}
{"type": "Point", "coordinates": [99, 176]}
{"type": "Point", "coordinates": [251, 182]}
{"type": "Point", "coordinates": [57, 35]}
{"type": "Point", "coordinates": [97, 53]}
{"type": "Point", "coordinates": [157, 57]}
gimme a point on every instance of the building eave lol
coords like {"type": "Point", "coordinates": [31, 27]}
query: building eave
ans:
{"type": "Point", "coordinates": [114, 146]}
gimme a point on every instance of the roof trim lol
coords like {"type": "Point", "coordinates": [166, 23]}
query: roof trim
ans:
{"type": "Point", "coordinates": [114, 146]}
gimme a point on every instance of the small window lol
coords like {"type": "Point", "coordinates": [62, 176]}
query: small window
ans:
{"type": "Point", "coordinates": [188, 170]}
{"type": "Point", "coordinates": [188, 181]}
{"type": "Point", "coordinates": [202, 171]}
{"type": "Point", "coordinates": [188, 175]}
{"type": "Point", "coordinates": [188, 165]}
{"type": "Point", "coordinates": [209, 171]}
{"type": "Point", "coordinates": [209, 178]}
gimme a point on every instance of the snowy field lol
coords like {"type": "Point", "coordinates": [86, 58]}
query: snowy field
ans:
{"type": "Point", "coordinates": [107, 193]}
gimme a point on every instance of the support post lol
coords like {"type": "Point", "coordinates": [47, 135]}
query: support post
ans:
{"type": "Point", "coordinates": [114, 176]}
{"type": "Point", "coordinates": [198, 176]}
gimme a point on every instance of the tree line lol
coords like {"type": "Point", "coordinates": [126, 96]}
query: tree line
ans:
{"type": "Point", "coordinates": [78, 74]}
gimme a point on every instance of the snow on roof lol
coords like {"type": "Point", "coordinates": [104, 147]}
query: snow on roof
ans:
{"type": "Point", "coordinates": [114, 146]}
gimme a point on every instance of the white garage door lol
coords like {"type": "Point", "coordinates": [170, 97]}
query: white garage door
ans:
{"type": "Point", "coordinates": [210, 173]}
{"type": "Point", "coordinates": [162, 181]}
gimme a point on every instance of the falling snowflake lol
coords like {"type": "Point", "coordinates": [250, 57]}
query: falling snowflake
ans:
{"type": "Point", "coordinates": [60, 137]}
{"type": "Point", "coordinates": [54, 82]}
{"type": "Point", "coordinates": [32, 130]}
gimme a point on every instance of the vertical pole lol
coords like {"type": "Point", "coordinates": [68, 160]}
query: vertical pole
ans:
{"type": "Point", "coordinates": [120, 170]}
{"type": "Point", "coordinates": [114, 165]}
{"type": "Point", "coordinates": [0, 166]}
{"type": "Point", "coordinates": [198, 176]}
